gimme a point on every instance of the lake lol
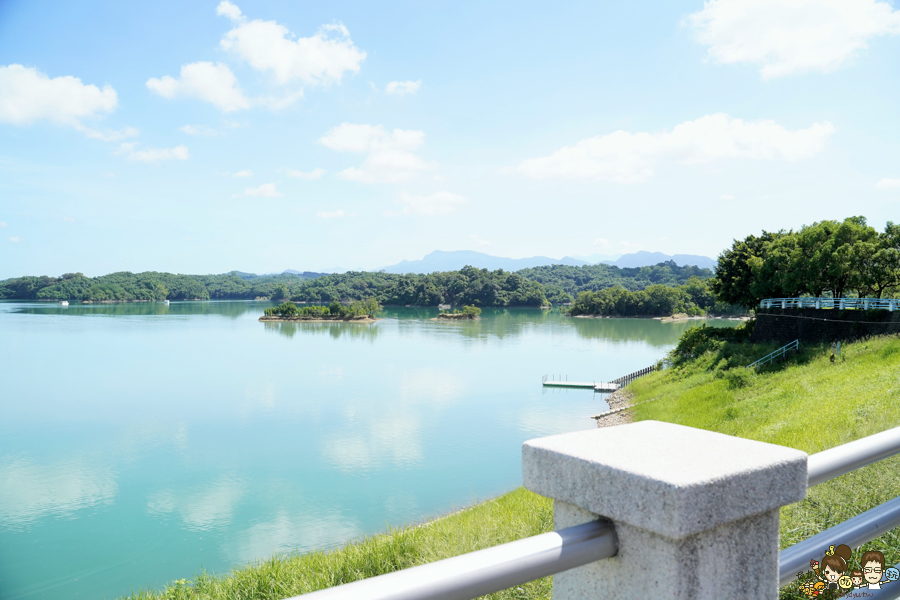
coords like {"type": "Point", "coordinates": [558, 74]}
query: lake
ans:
{"type": "Point", "coordinates": [142, 443]}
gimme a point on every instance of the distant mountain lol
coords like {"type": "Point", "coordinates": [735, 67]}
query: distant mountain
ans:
{"type": "Point", "coordinates": [302, 275]}
{"type": "Point", "coordinates": [596, 259]}
{"type": "Point", "coordinates": [453, 261]}
{"type": "Point", "coordinates": [648, 259]}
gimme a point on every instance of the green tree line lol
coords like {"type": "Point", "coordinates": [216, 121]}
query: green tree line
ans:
{"type": "Point", "coordinates": [358, 308]}
{"type": "Point", "coordinates": [538, 286]}
{"type": "Point", "coordinates": [694, 298]}
{"type": "Point", "coordinates": [840, 259]}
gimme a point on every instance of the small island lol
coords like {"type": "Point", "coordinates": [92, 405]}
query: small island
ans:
{"type": "Point", "coordinates": [467, 313]}
{"type": "Point", "coordinates": [362, 311]}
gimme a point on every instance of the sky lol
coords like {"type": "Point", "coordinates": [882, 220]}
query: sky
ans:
{"type": "Point", "coordinates": [205, 137]}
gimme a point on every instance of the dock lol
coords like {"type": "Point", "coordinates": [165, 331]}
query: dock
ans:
{"type": "Point", "coordinates": [595, 385]}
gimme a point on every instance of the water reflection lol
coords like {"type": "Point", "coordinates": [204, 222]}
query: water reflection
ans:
{"type": "Point", "coordinates": [31, 491]}
{"type": "Point", "coordinates": [286, 532]}
{"type": "Point", "coordinates": [201, 508]}
{"type": "Point", "coordinates": [366, 331]}
{"type": "Point", "coordinates": [232, 309]}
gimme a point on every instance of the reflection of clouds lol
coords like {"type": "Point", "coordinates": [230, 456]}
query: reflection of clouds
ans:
{"type": "Point", "coordinates": [30, 491]}
{"type": "Point", "coordinates": [393, 439]}
{"type": "Point", "coordinates": [540, 421]}
{"type": "Point", "coordinates": [285, 533]}
{"type": "Point", "coordinates": [201, 508]}
{"type": "Point", "coordinates": [430, 386]}
{"type": "Point", "coordinates": [263, 396]}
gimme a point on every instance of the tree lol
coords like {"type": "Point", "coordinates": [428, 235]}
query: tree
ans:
{"type": "Point", "coordinates": [737, 269]}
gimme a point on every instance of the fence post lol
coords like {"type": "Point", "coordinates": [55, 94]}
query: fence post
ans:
{"type": "Point", "coordinates": [695, 512]}
{"type": "Point", "coordinates": [843, 304]}
{"type": "Point", "coordinates": [818, 303]}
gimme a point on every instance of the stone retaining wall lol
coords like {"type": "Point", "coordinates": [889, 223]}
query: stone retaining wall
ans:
{"type": "Point", "coordinates": [810, 325]}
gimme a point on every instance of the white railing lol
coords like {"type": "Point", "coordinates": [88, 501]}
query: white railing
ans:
{"type": "Point", "coordinates": [839, 303]}
{"type": "Point", "coordinates": [691, 507]}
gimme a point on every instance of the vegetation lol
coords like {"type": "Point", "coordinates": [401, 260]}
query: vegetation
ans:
{"type": "Point", "coordinates": [562, 282]}
{"type": "Point", "coordinates": [477, 287]}
{"type": "Point", "coordinates": [538, 286]}
{"type": "Point", "coordinates": [693, 298]}
{"type": "Point", "coordinates": [360, 308]}
{"type": "Point", "coordinates": [841, 259]}
{"type": "Point", "coordinates": [512, 516]}
{"type": "Point", "coordinates": [467, 311]}
{"type": "Point", "coordinates": [806, 402]}
{"type": "Point", "coordinates": [149, 286]}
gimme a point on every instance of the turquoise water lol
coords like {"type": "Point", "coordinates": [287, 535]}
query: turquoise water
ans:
{"type": "Point", "coordinates": [141, 443]}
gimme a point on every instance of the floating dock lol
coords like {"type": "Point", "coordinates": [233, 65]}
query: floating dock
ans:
{"type": "Point", "coordinates": [596, 386]}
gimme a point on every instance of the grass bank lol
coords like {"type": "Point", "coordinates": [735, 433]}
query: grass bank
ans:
{"type": "Point", "coordinates": [512, 516]}
{"type": "Point", "coordinates": [808, 403]}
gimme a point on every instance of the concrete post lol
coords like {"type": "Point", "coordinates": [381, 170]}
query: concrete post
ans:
{"type": "Point", "coordinates": [865, 304]}
{"type": "Point", "coordinates": [891, 306]}
{"type": "Point", "coordinates": [695, 512]}
{"type": "Point", "coordinates": [842, 304]}
{"type": "Point", "coordinates": [784, 304]}
{"type": "Point", "coordinates": [818, 303]}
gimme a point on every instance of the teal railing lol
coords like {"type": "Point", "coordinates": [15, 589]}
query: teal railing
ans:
{"type": "Point", "coordinates": [780, 353]}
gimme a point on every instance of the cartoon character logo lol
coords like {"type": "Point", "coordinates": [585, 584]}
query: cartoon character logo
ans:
{"type": "Point", "coordinates": [834, 577]}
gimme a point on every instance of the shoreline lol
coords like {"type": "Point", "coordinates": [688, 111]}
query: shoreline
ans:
{"type": "Point", "coordinates": [669, 319]}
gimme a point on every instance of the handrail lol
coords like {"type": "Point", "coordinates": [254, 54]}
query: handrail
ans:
{"type": "Point", "coordinates": [485, 571]}
{"type": "Point", "coordinates": [831, 463]}
{"type": "Point", "coordinates": [493, 569]}
{"type": "Point", "coordinates": [854, 532]}
{"type": "Point", "coordinates": [890, 304]}
{"type": "Point", "coordinates": [795, 345]}
{"type": "Point", "coordinates": [836, 461]}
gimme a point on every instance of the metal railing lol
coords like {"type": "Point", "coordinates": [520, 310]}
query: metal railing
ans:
{"type": "Point", "coordinates": [485, 571]}
{"type": "Point", "coordinates": [839, 303]}
{"type": "Point", "coordinates": [623, 381]}
{"type": "Point", "coordinates": [493, 569]}
{"type": "Point", "coordinates": [780, 353]}
{"type": "Point", "coordinates": [855, 531]}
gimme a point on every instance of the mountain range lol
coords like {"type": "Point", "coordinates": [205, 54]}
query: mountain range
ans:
{"type": "Point", "coordinates": [440, 260]}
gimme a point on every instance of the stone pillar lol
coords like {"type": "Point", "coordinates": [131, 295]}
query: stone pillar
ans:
{"type": "Point", "coordinates": [841, 305]}
{"type": "Point", "coordinates": [818, 303]}
{"type": "Point", "coordinates": [695, 512]}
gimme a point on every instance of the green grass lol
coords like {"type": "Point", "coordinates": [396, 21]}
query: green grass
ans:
{"type": "Point", "coordinates": [513, 516]}
{"type": "Point", "coordinates": [806, 403]}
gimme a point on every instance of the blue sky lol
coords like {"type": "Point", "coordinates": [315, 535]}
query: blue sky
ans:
{"type": "Point", "coordinates": [203, 137]}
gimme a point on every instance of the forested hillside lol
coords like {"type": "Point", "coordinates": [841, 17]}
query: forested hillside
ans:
{"type": "Point", "coordinates": [563, 282]}
{"type": "Point", "coordinates": [149, 285]}
{"type": "Point", "coordinates": [538, 286]}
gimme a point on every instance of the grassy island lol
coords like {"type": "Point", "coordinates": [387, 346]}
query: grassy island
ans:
{"type": "Point", "coordinates": [362, 311]}
{"type": "Point", "coordinates": [467, 313]}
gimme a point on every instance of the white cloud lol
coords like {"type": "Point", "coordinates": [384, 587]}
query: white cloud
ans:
{"type": "Point", "coordinates": [2, 224]}
{"type": "Point", "coordinates": [478, 241]}
{"type": "Point", "coordinates": [401, 88]}
{"type": "Point", "coordinates": [69, 219]}
{"type": "Point", "coordinates": [266, 190]}
{"type": "Point", "coordinates": [390, 154]}
{"type": "Point", "coordinates": [15, 239]}
{"type": "Point", "coordinates": [602, 242]}
{"type": "Point", "coordinates": [245, 173]}
{"type": "Point", "coordinates": [627, 247]}
{"type": "Point", "coordinates": [888, 184]}
{"type": "Point", "coordinates": [213, 83]}
{"type": "Point", "coordinates": [791, 36]}
{"type": "Point", "coordinates": [131, 152]}
{"type": "Point", "coordinates": [727, 197]}
{"type": "Point", "coordinates": [436, 205]}
{"type": "Point", "coordinates": [229, 10]}
{"type": "Point", "coordinates": [198, 130]}
{"type": "Point", "coordinates": [309, 175]}
{"type": "Point", "coordinates": [266, 46]}
{"type": "Point", "coordinates": [27, 95]}
{"type": "Point", "coordinates": [335, 214]}
{"type": "Point", "coordinates": [625, 157]}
